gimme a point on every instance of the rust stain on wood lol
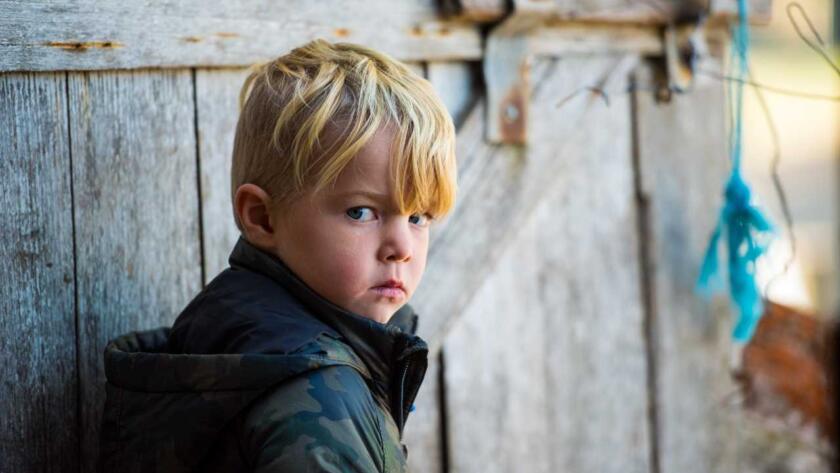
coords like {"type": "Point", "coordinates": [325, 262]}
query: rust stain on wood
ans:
{"type": "Point", "coordinates": [342, 32]}
{"type": "Point", "coordinates": [430, 29]}
{"type": "Point", "coordinates": [81, 46]}
{"type": "Point", "coordinates": [512, 116]}
{"type": "Point", "coordinates": [416, 30]}
{"type": "Point", "coordinates": [192, 39]}
{"type": "Point", "coordinates": [513, 108]}
{"type": "Point", "coordinates": [227, 34]}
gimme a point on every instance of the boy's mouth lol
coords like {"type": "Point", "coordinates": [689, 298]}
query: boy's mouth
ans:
{"type": "Point", "coordinates": [390, 288]}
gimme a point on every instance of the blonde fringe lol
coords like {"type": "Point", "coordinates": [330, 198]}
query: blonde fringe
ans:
{"type": "Point", "coordinates": [289, 105]}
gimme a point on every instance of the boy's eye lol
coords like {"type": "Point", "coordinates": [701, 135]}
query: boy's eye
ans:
{"type": "Point", "coordinates": [362, 214]}
{"type": "Point", "coordinates": [419, 219]}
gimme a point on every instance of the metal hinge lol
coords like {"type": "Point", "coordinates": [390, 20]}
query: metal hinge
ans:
{"type": "Point", "coordinates": [537, 28]}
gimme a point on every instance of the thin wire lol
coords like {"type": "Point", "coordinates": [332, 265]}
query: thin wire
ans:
{"type": "Point", "coordinates": [758, 88]}
{"type": "Point", "coordinates": [590, 88]}
{"type": "Point", "coordinates": [770, 88]}
{"type": "Point", "coordinates": [819, 49]}
{"type": "Point", "coordinates": [715, 75]}
{"type": "Point", "coordinates": [777, 182]}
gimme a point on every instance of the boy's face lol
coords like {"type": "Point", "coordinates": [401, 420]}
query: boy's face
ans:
{"type": "Point", "coordinates": [349, 243]}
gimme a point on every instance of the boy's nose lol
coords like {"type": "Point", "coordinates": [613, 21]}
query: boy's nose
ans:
{"type": "Point", "coordinates": [396, 242]}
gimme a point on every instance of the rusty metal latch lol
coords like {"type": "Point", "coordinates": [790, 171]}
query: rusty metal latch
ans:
{"type": "Point", "coordinates": [533, 30]}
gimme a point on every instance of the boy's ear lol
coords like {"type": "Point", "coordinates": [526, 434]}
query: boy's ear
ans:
{"type": "Point", "coordinates": [252, 205]}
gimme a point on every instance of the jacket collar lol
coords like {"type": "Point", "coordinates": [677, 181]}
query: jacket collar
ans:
{"type": "Point", "coordinates": [382, 347]}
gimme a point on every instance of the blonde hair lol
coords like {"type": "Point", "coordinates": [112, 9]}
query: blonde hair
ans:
{"type": "Point", "coordinates": [289, 106]}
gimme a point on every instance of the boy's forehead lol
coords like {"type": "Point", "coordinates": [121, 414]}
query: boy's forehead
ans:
{"type": "Point", "coordinates": [370, 169]}
{"type": "Point", "coordinates": [372, 185]}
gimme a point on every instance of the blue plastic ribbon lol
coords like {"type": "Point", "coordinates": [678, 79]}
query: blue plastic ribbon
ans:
{"type": "Point", "coordinates": [748, 231]}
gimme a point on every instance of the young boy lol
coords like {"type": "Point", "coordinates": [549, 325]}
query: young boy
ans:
{"type": "Point", "coordinates": [301, 356]}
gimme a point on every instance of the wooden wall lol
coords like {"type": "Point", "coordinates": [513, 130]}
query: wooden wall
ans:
{"type": "Point", "coordinates": [558, 295]}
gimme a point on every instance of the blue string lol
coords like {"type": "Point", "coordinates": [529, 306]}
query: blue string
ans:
{"type": "Point", "coordinates": [748, 231]}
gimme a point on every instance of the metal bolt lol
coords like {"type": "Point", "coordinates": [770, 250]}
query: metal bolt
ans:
{"type": "Point", "coordinates": [511, 113]}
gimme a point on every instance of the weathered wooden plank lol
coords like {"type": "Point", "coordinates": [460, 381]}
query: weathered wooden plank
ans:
{"type": "Point", "coordinates": [495, 376]}
{"type": "Point", "coordinates": [116, 35]}
{"type": "Point", "coordinates": [499, 180]}
{"type": "Point", "coordinates": [418, 67]}
{"type": "Point", "coordinates": [455, 82]}
{"type": "Point", "coordinates": [682, 166]}
{"type": "Point", "coordinates": [476, 10]}
{"type": "Point", "coordinates": [217, 105]}
{"type": "Point", "coordinates": [136, 215]}
{"type": "Point", "coordinates": [423, 436]}
{"type": "Point", "coordinates": [38, 396]}
{"type": "Point", "coordinates": [548, 362]}
{"type": "Point", "coordinates": [559, 38]}
{"type": "Point", "coordinates": [592, 295]}
{"type": "Point", "coordinates": [648, 11]}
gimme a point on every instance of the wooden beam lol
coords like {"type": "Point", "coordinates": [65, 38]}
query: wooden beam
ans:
{"type": "Point", "coordinates": [650, 12]}
{"type": "Point", "coordinates": [682, 165]}
{"type": "Point", "coordinates": [217, 111]}
{"type": "Point", "coordinates": [546, 368]}
{"type": "Point", "coordinates": [499, 186]}
{"type": "Point", "coordinates": [39, 392]}
{"type": "Point", "coordinates": [558, 38]}
{"type": "Point", "coordinates": [136, 213]}
{"type": "Point", "coordinates": [112, 34]}
{"type": "Point", "coordinates": [483, 11]}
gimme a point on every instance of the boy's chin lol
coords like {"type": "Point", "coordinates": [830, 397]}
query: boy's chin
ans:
{"type": "Point", "coordinates": [379, 314]}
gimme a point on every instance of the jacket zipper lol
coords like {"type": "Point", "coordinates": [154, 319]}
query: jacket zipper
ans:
{"type": "Point", "coordinates": [403, 374]}
{"type": "Point", "coordinates": [408, 354]}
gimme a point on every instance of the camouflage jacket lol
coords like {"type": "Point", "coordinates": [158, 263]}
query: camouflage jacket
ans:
{"type": "Point", "coordinates": [260, 373]}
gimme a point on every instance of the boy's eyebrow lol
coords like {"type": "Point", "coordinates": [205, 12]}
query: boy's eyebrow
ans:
{"type": "Point", "coordinates": [369, 194]}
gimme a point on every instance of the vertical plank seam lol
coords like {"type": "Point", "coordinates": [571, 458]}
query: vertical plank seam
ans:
{"type": "Point", "coordinates": [646, 268]}
{"type": "Point", "coordinates": [443, 413]}
{"type": "Point", "coordinates": [198, 177]}
{"type": "Point", "coordinates": [443, 421]}
{"type": "Point", "coordinates": [79, 400]}
{"type": "Point", "coordinates": [549, 383]}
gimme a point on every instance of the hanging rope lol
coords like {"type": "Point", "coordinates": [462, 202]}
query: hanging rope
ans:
{"type": "Point", "coordinates": [748, 232]}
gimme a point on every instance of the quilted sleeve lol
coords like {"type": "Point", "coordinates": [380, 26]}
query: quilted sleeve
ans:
{"type": "Point", "coordinates": [323, 420]}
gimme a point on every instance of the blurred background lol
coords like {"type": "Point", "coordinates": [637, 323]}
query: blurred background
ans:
{"type": "Point", "coordinates": [809, 144]}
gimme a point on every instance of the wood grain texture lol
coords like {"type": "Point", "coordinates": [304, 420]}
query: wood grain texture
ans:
{"type": "Point", "coordinates": [546, 370]}
{"type": "Point", "coordinates": [38, 427]}
{"type": "Point", "coordinates": [136, 213]}
{"type": "Point", "coordinates": [563, 38]}
{"type": "Point", "coordinates": [499, 180]}
{"type": "Point", "coordinates": [648, 11]}
{"type": "Point", "coordinates": [455, 83]}
{"type": "Point", "coordinates": [422, 436]}
{"type": "Point", "coordinates": [476, 10]}
{"type": "Point", "coordinates": [683, 165]}
{"type": "Point", "coordinates": [418, 67]}
{"type": "Point", "coordinates": [117, 35]}
{"type": "Point", "coordinates": [217, 102]}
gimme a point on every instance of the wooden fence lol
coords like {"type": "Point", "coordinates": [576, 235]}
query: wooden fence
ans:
{"type": "Point", "coordinates": [558, 298]}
